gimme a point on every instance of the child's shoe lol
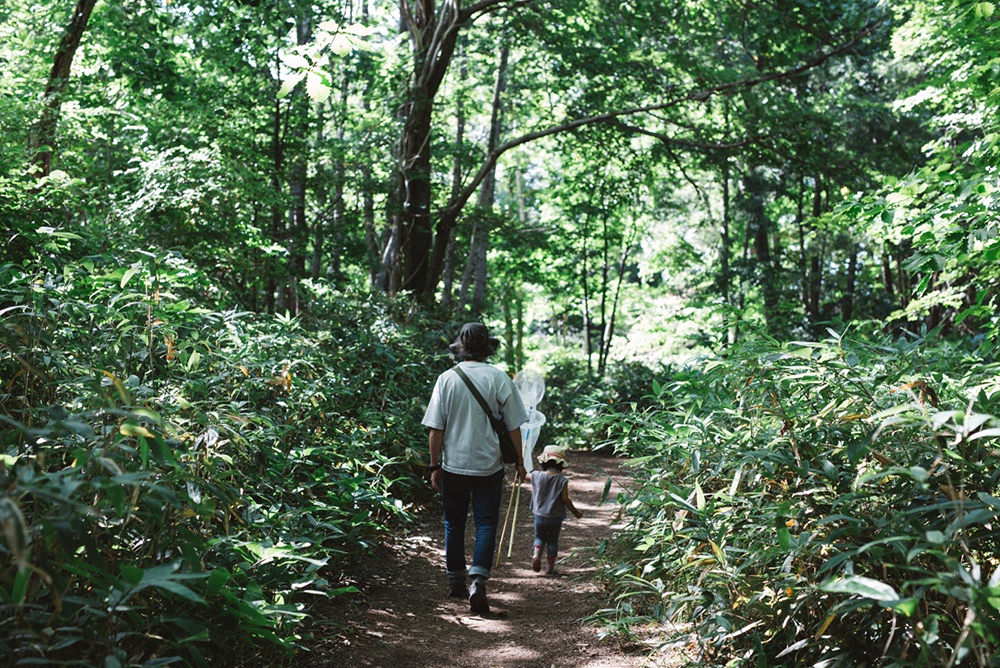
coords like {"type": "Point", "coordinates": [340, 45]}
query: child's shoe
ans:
{"type": "Point", "coordinates": [536, 559]}
{"type": "Point", "coordinates": [550, 565]}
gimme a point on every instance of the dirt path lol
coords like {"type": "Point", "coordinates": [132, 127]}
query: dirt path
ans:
{"type": "Point", "coordinates": [535, 621]}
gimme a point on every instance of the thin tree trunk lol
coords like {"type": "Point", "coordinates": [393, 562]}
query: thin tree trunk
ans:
{"type": "Point", "coordinates": [609, 335]}
{"type": "Point", "coordinates": [936, 310]}
{"type": "Point", "coordinates": [902, 278]}
{"type": "Point", "coordinates": [887, 277]}
{"type": "Point", "coordinates": [585, 279]}
{"type": "Point", "coordinates": [605, 280]}
{"type": "Point", "coordinates": [741, 300]}
{"type": "Point", "coordinates": [277, 222]}
{"type": "Point", "coordinates": [299, 232]}
{"type": "Point", "coordinates": [815, 261]}
{"type": "Point", "coordinates": [44, 135]}
{"type": "Point", "coordinates": [852, 273]}
{"type": "Point", "coordinates": [476, 268]}
{"type": "Point", "coordinates": [800, 221]}
{"type": "Point", "coordinates": [508, 332]}
{"type": "Point", "coordinates": [725, 278]}
{"type": "Point", "coordinates": [367, 193]}
{"type": "Point", "coordinates": [321, 196]}
{"type": "Point", "coordinates": [456, 187]}
{"type": "Point", "coordinates": [759, 227]}
{"type": "Point", "coordinates": [479, 270]}
{"type": "Point", "coordinates": [519, 181]}
{"type": "Point", "coordinates": [340, 178]}
{"type": "Point", "coordinates": [519, 311]}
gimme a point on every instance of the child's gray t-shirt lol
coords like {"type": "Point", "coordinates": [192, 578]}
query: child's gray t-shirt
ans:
{"type": "Point", "coordinates": [546, 494]}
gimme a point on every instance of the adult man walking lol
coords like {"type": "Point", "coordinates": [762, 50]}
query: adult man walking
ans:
{"type": "Point", "coordinates": [465, 460]}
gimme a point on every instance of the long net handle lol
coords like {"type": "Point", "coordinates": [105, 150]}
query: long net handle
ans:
{"type": "Point", "coordinates": [513, 521]}
{"type": "Point", "coordinates": [503, 533]}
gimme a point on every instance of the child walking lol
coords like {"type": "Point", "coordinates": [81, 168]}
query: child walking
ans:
{"type": "Point", "coordinates": [549, 502]}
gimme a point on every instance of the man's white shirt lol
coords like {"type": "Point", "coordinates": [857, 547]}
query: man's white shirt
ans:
{"type": "Point", "coordinates": [471, 447]}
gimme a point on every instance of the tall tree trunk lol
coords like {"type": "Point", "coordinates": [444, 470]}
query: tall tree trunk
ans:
{"type": "Point", "coordinates": [936, 310]}
{"type": "Point", "coordinates": [470, 267]}
{"type": "Point", "coordinates": [298, 234]}
{"type": "Point", "coordinates": [340, 178]}
{"type": "Point", "coordinates": [744, 275]}
{"type": "Point", "coordinates": [388, 277]}
{"type": "Point", "coordinates": [479, 270]}
{"type": "Point", "coordinates": [456, 187]}
{"type": "Point", "coordinates": [608, 335]}
{"type": "Point", "coordinates": [522, 217]}
{"type": "Point", "coordinates": [432, 41]}
{"type": "Point", "coordinates": [368, 220]}
{"type": "Point", "coordinates": [277, 221]}
{"type": "Point", "coordinates": [519, 311]}
{"type": "Point", "coordinates": [815, 259]}
{"type": "Point", "coordinates": [725, 279]}
{"type": "Point", "coordinates": [585, 279]}
{"type": "Point", "coordinates": [508, 331]}
{"type": "Point", "coordinates": [800, 221]}
{"type": "Point", "coordinates": [605, 282]}
{"type": "Point", "coordinates": [902, 277]}
{"type": "Point", "coordinates": [887, 277]}
{"type": "Point", "coordinates": [321, 197]}
{"type": "Point", "coordinates": [367, 192]}
{"type": "Point", "coordinates": [487, 196]}
{"type": "Point", "coordinates": [44, 135]}
{"type": "Point", "coordinates": [759, 227]}
{"type": "Point", "coordinates": [815, 284]}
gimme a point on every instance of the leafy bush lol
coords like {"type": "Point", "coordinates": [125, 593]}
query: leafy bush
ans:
{"type": "Point", "coordinates": [175, 482]}
{"type": "Point", "coordinates": [818, 504]}
{"type": "Point", "coordinates": [574, 399]}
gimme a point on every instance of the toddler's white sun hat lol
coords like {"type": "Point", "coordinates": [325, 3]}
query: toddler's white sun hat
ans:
{"type": "Point", "coordinates": [552, 453]}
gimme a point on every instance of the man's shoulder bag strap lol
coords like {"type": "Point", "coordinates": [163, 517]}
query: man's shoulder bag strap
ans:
{"type": "Point", "coordinates": [475, 393]}
{"type": "Point", "coordinates": [507, 451]}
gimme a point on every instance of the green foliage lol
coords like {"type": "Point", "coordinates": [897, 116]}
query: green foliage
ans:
{"type": "Point", "coordinates": [808, 504]}
{"type": "Point", "coordinates": [178, 483]}
{"type": "Point", "coordinates": [579, 405]}
{"type": "Point", "coordinates": [945, 216]}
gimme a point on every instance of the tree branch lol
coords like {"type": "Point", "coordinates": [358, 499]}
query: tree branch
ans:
{"type": "Point", "coordinates": [448, 217]}
{"type": "Point", "coordinates": [488, 6]}
{"type": "Point", "coordinates": [443, 52]}
{"type": "Point", "coordinates": [697, 95]}
{"type": "Point", "coordinates": [666, 139]}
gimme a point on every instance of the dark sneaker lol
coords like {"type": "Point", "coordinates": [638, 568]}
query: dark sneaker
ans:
{"type": "Point", "coordinates": [477, 598]}
{"type": "Point", "coordinates": [457, 588]}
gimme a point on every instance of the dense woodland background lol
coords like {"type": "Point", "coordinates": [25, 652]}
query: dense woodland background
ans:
{"type": "Point", "coordinates": [753, 246]}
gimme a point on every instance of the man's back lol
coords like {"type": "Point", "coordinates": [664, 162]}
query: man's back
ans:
{"type": "Point", "coordinates": [470, 444]}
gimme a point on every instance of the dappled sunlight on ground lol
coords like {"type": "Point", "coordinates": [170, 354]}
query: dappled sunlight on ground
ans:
{"type": "Point", "coordinates": [535, 620]}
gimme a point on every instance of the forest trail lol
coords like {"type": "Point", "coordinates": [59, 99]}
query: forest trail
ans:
{"type": "Point", "coordinates": [535, 620]}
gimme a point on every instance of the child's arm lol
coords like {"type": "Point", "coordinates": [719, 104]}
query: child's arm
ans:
{"type": "Point", "coordinates": [568, 502]}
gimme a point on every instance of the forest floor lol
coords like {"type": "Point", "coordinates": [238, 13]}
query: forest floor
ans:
{"type": "Point", "coordinates": [406, 620]}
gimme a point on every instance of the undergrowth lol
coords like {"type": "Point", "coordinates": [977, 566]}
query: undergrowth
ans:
{"type": "Point", "coordinates": [817, 504]}
{"type": "Point", "coordinates": [176, 483]}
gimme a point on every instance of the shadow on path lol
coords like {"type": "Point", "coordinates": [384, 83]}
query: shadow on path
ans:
{"type": "Point", "coordinates": [535, 620]}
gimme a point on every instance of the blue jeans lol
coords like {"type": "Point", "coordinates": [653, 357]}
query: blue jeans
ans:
{"type": "Point", "coordinates": [484, 491]}
{"type": "Point", "coordinates": [547, 533]}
